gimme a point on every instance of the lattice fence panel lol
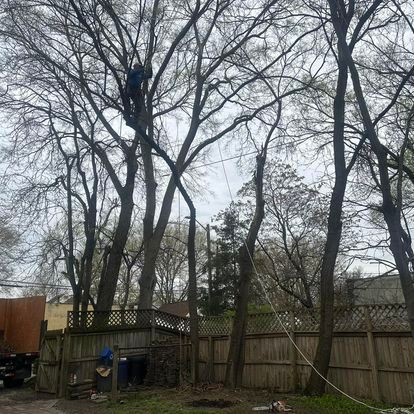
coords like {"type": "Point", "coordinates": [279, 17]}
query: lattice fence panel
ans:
{"type": "Point", "coordinates": [307, 320]}
{"type": "Point", "coordinates": [90, 316]}
{"type": "Point", "coordinates": [118, 319]}
{"type": "Point", "coordinates": [70, 321]}
{"type": "Point", "coordinates": [115, 319]}
{"type": "Point", "coordinates": [269, 322]}
{"type": "Point", "coordinates": [142, 318]}
{"type": "Point", "coordinates": [87, 320]}
{"type": "Point", "coordinates": [215, 325]}
{"type": "Point", "coordinates": [381, 317]}
{"type": "Point", "coordinates": [171, 322]}
{"type": "Point", "coordinates": [349, 319]}
{"type": "Point", "coordinates": [388, 317]}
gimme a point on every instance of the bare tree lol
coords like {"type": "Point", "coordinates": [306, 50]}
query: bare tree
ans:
{"type": "Point", "coordinates": [85, 51]}
{"type": "Point", "coordinates": [294, 233]}
{"type": "Point", "coordinates": [342, 14]}
{"type": "Point", "coordinates": [171, 269]}
{"type": "Point", "coordinates": [218, 81]}
{"type": "Point", "coordinates": [9, 244]}
{"type": "Point", "coordinates": [391, 209]}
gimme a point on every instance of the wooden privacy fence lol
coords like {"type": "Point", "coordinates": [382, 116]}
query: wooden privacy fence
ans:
{"type": "Point", "coordinates": [372, 354]}
{"type": "Point", "coordinates": [49, 362]}
{"type": "Point", "coordinates": [168, 364]}
{"type": "Point", "coordinates": [71, 358]}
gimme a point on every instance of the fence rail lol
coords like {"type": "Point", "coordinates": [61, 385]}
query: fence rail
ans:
{"type": "Point", "coordinates": [357, 318]}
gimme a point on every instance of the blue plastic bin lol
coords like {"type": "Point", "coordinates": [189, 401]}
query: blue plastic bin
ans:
{"type": "Point", "coordinates": [106, 356]}
{"type": "Point", "coordinates": [123, 373]}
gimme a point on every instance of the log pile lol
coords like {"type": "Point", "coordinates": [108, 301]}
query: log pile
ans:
{"type": "Point", "coordinates": [163, 367]}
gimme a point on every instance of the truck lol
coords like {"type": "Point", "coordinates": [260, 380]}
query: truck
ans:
{"type": "Point", "coordinates": [20, 332]}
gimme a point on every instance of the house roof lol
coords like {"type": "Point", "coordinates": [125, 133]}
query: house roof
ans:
{"type": "Point", "coordinates": [61, 299]}
{"type": "Point", "coordinates": [178, 308]}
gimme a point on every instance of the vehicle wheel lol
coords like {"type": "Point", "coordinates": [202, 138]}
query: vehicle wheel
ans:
{"type": "Point", "coordinates": [13, 383]}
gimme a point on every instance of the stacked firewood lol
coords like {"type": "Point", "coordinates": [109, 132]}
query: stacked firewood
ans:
{"type": "Point", "coordinates": [163, 367]}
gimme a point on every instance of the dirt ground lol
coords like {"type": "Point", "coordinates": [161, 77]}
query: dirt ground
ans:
{"type": "Point", "coordinates": [214, 400]}
{"type": "Point", "coordinates": [211, 399]}
{"type": "Point", "coordinates": [26, 401]}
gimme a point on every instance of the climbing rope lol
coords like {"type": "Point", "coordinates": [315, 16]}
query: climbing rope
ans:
{"type": "Point", "coordinates": [395, 410]}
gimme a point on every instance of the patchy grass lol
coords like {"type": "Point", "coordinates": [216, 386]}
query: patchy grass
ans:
{"type": "Point", "coordinates": [185, 401]}
{"type": "Point", "coordinates": [174, 402]}
{"type": "Point", "coordinates": [329, 404]}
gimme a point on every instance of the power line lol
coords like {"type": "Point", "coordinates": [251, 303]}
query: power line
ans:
{"type": "Point", "coordinates": [194, 167]}
{"type": "Point", "coordinates": [22, 283]}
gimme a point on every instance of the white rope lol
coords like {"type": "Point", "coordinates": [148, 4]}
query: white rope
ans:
{"type": "Point", "coordinates": [395, 410]}
{"type": "Point", "coordinates": [225, 173]}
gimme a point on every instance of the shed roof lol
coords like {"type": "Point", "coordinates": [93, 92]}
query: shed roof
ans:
{"type": "Point", "coordinates": [178, 308]}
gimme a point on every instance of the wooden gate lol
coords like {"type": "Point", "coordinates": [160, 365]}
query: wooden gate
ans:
{"type": "Point", "coordinates": [49, 363]}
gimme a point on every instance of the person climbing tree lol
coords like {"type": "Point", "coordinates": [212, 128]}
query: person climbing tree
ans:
{"type": "Point", "coordinates": [134, 81]}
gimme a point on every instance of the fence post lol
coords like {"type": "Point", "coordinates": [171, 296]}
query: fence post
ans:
{"type": "Point", "coordinates": [64, 370]}
{"type": "Point", "coordinates": [376, 394]}
{"type": "Point", "coordinates": [210, 362]}
{"type": "Point", "coordinates": [293, 353]}
{"type": "Point", "coordinates": [115, 364]}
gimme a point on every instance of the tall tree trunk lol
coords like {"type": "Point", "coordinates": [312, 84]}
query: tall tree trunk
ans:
{"type": "Point", "coordinates": [192, 291]}
{"type": "Point", "coordinates": [70, 255]}
{"type": "Point", "coordinates": [148, 277]}
{"type": "Point", "coordinates": [109, 277]}
{"type": "Point", "coordinates": [89, 226]}
{"type": "Point", "coordinates": [147, 280]}
{"type": "Point", "coordinates": [392, 214]}
{"type": "Point", "coordinates": [192, 275]}
{"type": "Point", "coordinates": [235, 359]}
{"type": "Point", "coordinates": [125, 299]}
{"type": "Point", "coordinates": [316, 384]}
{"type": "Point", "coordinates": [89, 250]}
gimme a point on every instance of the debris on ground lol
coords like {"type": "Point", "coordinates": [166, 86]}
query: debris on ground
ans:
{"type": "Point", "coordinates": [275, 407]}
{"type": "Point", "coordinates": [99, 398]}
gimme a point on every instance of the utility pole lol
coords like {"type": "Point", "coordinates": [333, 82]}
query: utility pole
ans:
{"type": "Point", "coordinates": [209, 265]}
{"type": "Point", "coordinates": [209, 270]}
